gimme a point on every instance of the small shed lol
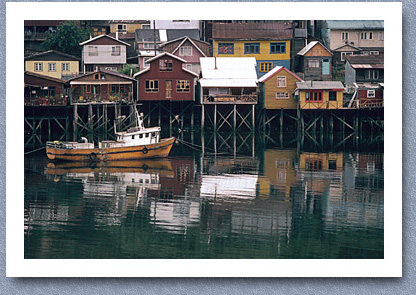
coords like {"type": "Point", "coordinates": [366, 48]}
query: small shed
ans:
{"type": "Point", "coordinates": [315, 61]}
{"type": "Point", "coordinates": [44, 90]}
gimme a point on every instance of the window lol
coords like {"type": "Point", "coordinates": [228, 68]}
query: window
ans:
{"type": "Point", "coordinates": [370, 35]}
{"type": "Point", "coordinates": [182, 86]}
{"type": "Point", "coordinates": [152, 86]}
{"type": "Point", "coordinates": [313, 164]}
{"type": "Point", "coordinates": [65, 67]}
{"type": "Point", "coordinates": [363, 35]}
{"type": "Point", "coordinates": [344, 35]}
{"type": "Point", "coordinates": [88, 88]}
{"type": "Point", "coordinates": [344, 54]}
{"type": "Point", "coordinates": [149, 45]}
{"type": "Point", "coordinates": [313, 96]}
{"type": "Point", "coordinates": [371, 74]}
{"type": "Point", "coordinates": [132, 137]}
{"type": "Point", "coordinates": [251, 48]}
{"type": "Point", "coordinates": [281, 81]}
{"type": "Point", "coordinates": [313, 63]}
{"type": "Point", "coordinates": [52, 67]}
{"type": "Point", "coordinates": [277, 47]}
{"type": "Point", "coordinates": [225, 48]}
{"type": "Point", "coordinates": [115, 89]}
{"type": "Point", "coordinates": [92, 50]}
{"type": "Point", "coordinates": [122, 28]}
{"type": "Point", "coordinates": [165, 65]}
{"type": "Point", "coordinates": [116, 50]}
{"type": "Point", "coordinates": [266, 66]}
{"type": "Point", "coordinates": [145, 63]}
{"type": "Point", "coordinates": [371, 93]}
{"type": "Point", "coordinates": [332, 95]}
{"type": "Point", "coordinates": [147, 135]}
{"type": "Point", "coordinates": [282, 95]}
{"type": "Point", "coordinates": [140, 135]}
{"type": "Point", "coordinates": [374, 53]}
{"type": "Point", "coordinates": [380, 36]}
{"type": "Point", "coordinates": [185, 51]}
{"type": "Point", "coordinates": [145, 27]}
{"type": "Point", "coordinates": [38, 67]}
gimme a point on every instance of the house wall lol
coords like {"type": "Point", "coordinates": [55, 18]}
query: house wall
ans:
{"type": "Point", "coordinates": [172, 24]}
{"type": "Point", "coordinates": [162, 76]}
{"type": "Point", "coordinates": [354, 37]}
{"type": "Point", "coordinates": [104, 55]}
{"type": "Point", "coordinates": [270, 90]}
{"type": "Point", "coordinates": [131, 28]}
{"type": "Point", "coordinates": [361, 77]}
{"type": "Point", "coordinates": [325, 104]}
{"type": "Point", "coordinates": [37, 81]}
{"type": "Point", "coordinates": [312, 73]}
{"type": "Point", "coordinates": [278, 59]}
{"type": "Point", "coordinates": [58, 73]}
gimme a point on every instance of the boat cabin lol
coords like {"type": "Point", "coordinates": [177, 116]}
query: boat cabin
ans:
{"type": "Point", "coordinates": [133, 137]}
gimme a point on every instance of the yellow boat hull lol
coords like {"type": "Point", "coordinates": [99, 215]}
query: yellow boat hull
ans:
{"type": "Point", "coordinates": [157, 150]}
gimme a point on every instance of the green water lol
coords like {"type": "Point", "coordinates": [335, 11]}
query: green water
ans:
{"type": "Point", "coordinates": [240, 197]}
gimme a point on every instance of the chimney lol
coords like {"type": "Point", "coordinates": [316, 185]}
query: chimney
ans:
{"type": "Point", "coordinates": [117, 34]}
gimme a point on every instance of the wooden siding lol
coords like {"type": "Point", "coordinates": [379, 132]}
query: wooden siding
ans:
{"type": "Point", "coordinates": [58, 73]}
{"type": "Point", "coordinates": [270, 90]}
{"type": "Point", "coordinates": [176, 74]}
{"type": "Point", "coordinates": [324, 104]}
{"type": "Point", "coordinates": [318, 50]}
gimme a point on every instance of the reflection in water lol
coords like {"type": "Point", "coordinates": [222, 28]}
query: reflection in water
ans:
{"type": "Point", "coordinates": [278, 203]}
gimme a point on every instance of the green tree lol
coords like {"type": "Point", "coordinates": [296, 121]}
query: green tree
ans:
{"type": "Point", "coordinates": [66, 39]}
{"type": "Point", "coordinates": [128, 70]}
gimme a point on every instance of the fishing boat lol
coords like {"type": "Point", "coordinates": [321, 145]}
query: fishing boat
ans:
{"type": "Point", "coordinates": [136, 143]}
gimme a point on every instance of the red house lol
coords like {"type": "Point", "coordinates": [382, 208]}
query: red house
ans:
{"type": "Point", "coordinates": [166, 80]}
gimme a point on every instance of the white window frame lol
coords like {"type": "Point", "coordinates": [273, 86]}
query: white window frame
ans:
{"type": "Point", "coordinates": [123, 28]}
{"type": "Point", "coordinates": [183, 86]}
{"type": "Point", "coordinates": [370, 35]}
{"type": "Point", "coordinates": [371, 93]}
{"type": "Point", "coordinates": [363, 36]}
{"type": "Point", "coordinates": [65, 67]}
{"type": "Point", "coordinates": [381, 36]}
{"type": "Point", "coordinates": [52, 67]}
{"type": "Point", "coordinates": [115, 50]}
{"type": "Point", "coordinates": [372, 74]}
{"type": "Point", "coordinates": [148, 45]}
{"type": "Point", "coordinates": [92, 50]}
{"type": "Point", "coordinates": [185, 51]}
{"type": "Point", "coordinates": [38, 67]}
{"type": "Point", "coordinates": [281, 81]}
{"type": "Point", "coordinates": [314, 63]}
{"type": "Point", "coordinates": [344, 35]}
{"type": "Point", "coordinates": [145, 63]}
{"type": "Point", "coordinates": [152, 87]}
{"type": "Point", "coordinates": [282, 95]}
{"type": "Point", "coordinates": [374, 53]}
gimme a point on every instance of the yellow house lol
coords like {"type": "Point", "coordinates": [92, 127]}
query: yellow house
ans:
{"type": "Point", "coordinates": [268, 53]}
{"type": "Point", "coordinates": [320, 94]}
{"type": "Point", "coordinates": [53, 64]}
{"type": "Point", "coordinates": [127, 26]}
{"type": "Point", "coordinates": [321, 161]}
{"type": "Point", "coordinates": [277, 88]}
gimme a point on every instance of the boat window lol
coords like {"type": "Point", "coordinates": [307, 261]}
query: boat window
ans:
{"type": "Point", "coordinates": [140, 135]}
{"type": "Point", "coordinates": [132, 137]}
{"type": "Point", "coordinates": [147, 134]}
{"type": "Point", "coordinates": [153, 134]}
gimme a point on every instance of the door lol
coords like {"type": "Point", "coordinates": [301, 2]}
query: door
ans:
{"type": "Point", "coordinates": [168, 89]}
{"type": "Point", "coordinates": [325, 66]}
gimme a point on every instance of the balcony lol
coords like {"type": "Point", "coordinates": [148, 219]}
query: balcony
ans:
{"type": "Point", "coordinates": [230, 99]}
{"type": "Point", "coordinates": [46, 101]}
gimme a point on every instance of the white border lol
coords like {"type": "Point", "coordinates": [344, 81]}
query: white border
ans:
{"type": "Point", "coordinates": [390, 266]}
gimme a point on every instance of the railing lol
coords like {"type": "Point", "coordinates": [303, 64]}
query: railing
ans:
{"type": "Point", "coordinates": [46, 101]}
{"type": "Point", "coordinates": [330, 105]}
{"type": "Point", "coordinates": [228, 98]}
{"type": "Point", "coordinates": [99, 98]}
{"type": "Point", "coordinates": [371, 104]}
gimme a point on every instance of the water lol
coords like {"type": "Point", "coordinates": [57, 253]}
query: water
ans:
{"type": "Point", "coordinates": [250, 199]}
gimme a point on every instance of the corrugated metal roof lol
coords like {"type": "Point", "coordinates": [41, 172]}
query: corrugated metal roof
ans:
{"type": "Point", "coordinates": [145, 35]}
{"type": "Point", "coordinates": [270, 73]}
{"type": "Point", "coordinates": [272, 31]}
{"type": "Point", "coordinates": [366, 61]}
{"type": "Point", "coordinates": [319, 85]}
{"type": "Point", "coordinates": [355, 24]}
{"type": "Point", "coordinates": [228, 72]}
{"type": "Point", "coordinates": [173, 34]}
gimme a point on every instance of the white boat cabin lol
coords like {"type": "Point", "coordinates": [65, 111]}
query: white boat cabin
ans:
{"type": "Point", "coordinates": [133, 137]}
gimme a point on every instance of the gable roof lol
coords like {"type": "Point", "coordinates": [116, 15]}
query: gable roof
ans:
{"type": "Point", "coordinates": [312, 44]}
{"type": "Point", "coordinates": [45, 77]}
{"type": "Point", "coordinates": [52, 52]}
{"type": "Point", "coordinates": [184, 39]}
{"type": "Point", "coordinates": [347, 45]}
{"type": "Point", "coordinates": [103, 36]}
{"type": "Point", "coordinates": [105, 72]}
{"type": "Point", "coordinates": [355, 24]}
{"type": "Point", "coordinates": [320, 85]}
{"type": "Point", "coordinates": [162, 55]}
{"type": "Point", "coordinates": [228, 72]}
{"type": "Point", "coordinates": [274, 71]}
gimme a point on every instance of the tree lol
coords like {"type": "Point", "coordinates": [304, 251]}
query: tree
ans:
{"type": "Point", "coordinates": [66, 39]}
{"type": "Point", "coordinates": [128, 70]}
